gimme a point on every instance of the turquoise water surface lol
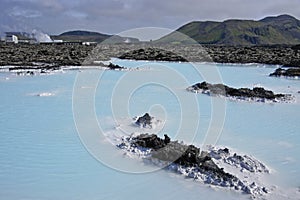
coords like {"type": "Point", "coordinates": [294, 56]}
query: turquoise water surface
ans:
{"type": "Point", "coordinates": [42, 156]}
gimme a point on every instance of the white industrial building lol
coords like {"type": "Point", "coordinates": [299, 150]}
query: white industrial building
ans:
{"type": "Point", "coordinates": [11, 38]}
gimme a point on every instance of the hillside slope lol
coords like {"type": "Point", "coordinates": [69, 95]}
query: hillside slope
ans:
{"type": "Point", "coordinates": [283, 29]}
{"type": "Point", "coordinates": [88, 36]}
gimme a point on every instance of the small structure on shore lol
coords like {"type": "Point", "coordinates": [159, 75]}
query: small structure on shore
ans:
{"type": "Point", "coordinates": [11, 38]}
{"type": "Point", "coordinates": [19, 37]}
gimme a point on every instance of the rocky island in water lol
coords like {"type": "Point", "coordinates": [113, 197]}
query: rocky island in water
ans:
{"type": "Point", "coordinates": [290, 72]}
{"type": "Point", "coordinates": [217, 166]}
{"type": "Point", "coordinates": [257, 94]}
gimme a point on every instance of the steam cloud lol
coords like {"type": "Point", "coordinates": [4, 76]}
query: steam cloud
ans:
{"type": "Point", "coordinates": [40, 36]}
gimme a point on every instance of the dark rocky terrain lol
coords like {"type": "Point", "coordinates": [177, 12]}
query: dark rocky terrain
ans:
{"type": "Point", "coordinates": [184, 155]}
{"type": "Point", "coordinates": [38, 54]}
{"type": "Point", "coordinates": [153, 54]}
{"type": "Point", "coordinates": [257, 93]}
{"type": "Point", "coordinates": [78, 55]}
{"type": "Point", "coordinates": [204, 166]}
{"type": "Point", "coordinates": [144, 121]}
{"type": "Point", "coordinates": [291, 72]}
{"type": "Point", "coordinates": [274, 55]}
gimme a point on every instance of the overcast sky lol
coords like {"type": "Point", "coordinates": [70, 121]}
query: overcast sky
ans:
{"type": "Point", "coordinates": [114, 16]}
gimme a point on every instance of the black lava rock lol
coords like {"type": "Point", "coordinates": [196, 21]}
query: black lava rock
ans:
{"type": "Point", "coordinates": [223, 90]}
{"type": "Point", "coordinates": [184, 155]}
{"type": "Point", "coordinates": [114, 66]}
{"type": "Point", "coordinates": [291, 72]}
{"type": "Point", "coordinates": [152, 54]}
{"type": "Point", "coordinates": [144, 121]}
{"type": "Point", "coordinates": [76, 55]}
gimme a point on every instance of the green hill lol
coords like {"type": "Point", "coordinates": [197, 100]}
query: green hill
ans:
{"type": "Point", "coordinates": [283, 29]}
{"type": "Point", "coordinates": [88, 36]}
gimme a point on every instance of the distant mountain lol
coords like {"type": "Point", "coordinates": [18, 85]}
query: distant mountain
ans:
{"type": "Point", "coordinates": [89, 36]}
{"type": "Point", "coordinates": [283, 29]}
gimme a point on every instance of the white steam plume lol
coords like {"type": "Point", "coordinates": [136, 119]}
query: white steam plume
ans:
{"type": "Point", "coordinates": [40, 36]}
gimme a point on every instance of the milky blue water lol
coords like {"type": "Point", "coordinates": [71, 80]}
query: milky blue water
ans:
{"type": "Point", "coordinates": [42, 156]}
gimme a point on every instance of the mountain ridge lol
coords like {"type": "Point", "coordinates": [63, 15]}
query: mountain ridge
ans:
{"type": "Point", "coordinates": [282, 29]}
{"type": "Point", "coordinates": [91, 36]}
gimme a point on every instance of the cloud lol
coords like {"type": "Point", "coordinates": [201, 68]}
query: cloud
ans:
{"type": "Point", "coordinates": [19, 12]}
{"type": "Point", "coordinates": [53, 5]}
{"type": "Point", "coordinates": [76, 14]}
